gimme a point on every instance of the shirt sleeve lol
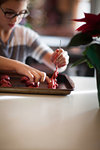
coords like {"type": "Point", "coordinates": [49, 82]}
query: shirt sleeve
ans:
{"type": "Point", "coordinates": [37, 48]}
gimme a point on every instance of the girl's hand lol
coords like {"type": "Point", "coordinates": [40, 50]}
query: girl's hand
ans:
{"type": "Point", "coordinates": [60, 58]}
{"type": "Point", "coordinates": [21, 68]}
{"type": "Point", "coordinates": [32, 73]}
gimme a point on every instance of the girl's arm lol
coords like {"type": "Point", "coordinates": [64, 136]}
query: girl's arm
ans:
{"type": "Point", "coordinates": [20, 68]}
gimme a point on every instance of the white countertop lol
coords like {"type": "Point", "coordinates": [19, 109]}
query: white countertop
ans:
{"type": "Point", "coordinates": [47, 122]}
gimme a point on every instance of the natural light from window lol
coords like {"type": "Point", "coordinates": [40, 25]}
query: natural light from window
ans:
{"type": "Point", "coordinates": [84, 6]}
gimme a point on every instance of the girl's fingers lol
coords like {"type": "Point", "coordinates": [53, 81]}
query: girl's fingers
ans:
{"type": "Point", "coordinates": [61, 64]}
{"type": "Point", "coordinates": [30, 75]}
{"type": "Point", "coordinates": [43, 77]}
{"type": "Point", "coordinates": [39, 76]}
{"type": "Point", "coordinates": [36, 77]}
{"type": "Point", "coordinates": [62, 59]}
{"type": "Point", "coordinates": [55, 55]}
{"type": "Point", "coordinates": [48, 80]}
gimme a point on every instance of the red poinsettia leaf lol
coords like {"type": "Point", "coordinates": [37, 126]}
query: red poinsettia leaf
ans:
{"type": "Point", "coordinates": [85, 28]}
{"type": "Point", "coordinates": [99, 17]}
{"type": "Point", "coordinates": [79, 20]}
{"type": "Point", "coordinates": [92, 24]}
{"type": "Point", "coordinates": [91, 18]}
{"type": "Point", "coordinates": [81, 28]}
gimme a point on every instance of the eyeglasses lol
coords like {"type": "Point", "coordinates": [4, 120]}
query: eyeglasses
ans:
{"type": "Point", "coordinates": [11, 14]}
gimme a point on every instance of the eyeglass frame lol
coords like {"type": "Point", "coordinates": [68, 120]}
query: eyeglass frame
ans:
{"type": "Point", "coordinates": [15, 14]}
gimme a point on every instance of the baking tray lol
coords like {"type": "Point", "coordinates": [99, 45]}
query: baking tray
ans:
{"type": "Point", "coordinates": [65, 85]}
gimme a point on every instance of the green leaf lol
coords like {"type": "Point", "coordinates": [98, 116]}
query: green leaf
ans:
{"type": "Point", "coordinates": [89, 64]}
{"type": "Point", "coordinates": [98, 84]}
{"type": "Point", "coordinates": [92, 53]}
{"type": "Point", "coordinates": [80, 61]}
{"type": "Point", "coordinates": [80, 39]}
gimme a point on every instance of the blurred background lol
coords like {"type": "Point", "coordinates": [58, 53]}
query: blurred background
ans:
{"type": "Point", "coordinates": [52, 19]}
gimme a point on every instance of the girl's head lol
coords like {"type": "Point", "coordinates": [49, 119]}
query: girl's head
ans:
{"type": "Point", "coordinates": [12, 12]}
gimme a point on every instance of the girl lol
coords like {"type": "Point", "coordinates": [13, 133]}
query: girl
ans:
{"type": "Point", "coordinates": [18, 42]}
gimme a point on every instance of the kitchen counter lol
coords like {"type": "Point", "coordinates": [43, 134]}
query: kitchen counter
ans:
{"type": "Point", "coordinates": [50, 122]}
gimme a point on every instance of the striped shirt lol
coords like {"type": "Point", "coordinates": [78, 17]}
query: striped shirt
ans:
{"type": "Point", "coordinates": [23, 42]}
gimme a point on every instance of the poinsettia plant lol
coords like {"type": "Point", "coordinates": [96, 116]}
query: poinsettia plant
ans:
{"type": "Point", "coordinates": [89, 36]}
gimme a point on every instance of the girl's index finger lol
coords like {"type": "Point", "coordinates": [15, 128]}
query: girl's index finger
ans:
{"type": "Point", "coordinates": [48, 80]}
{"type": "Point", "coordinates": [56, 55]}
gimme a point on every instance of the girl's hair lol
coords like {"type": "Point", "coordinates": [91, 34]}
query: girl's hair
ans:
{"type": "Point", "coordinates": [3, 1]}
